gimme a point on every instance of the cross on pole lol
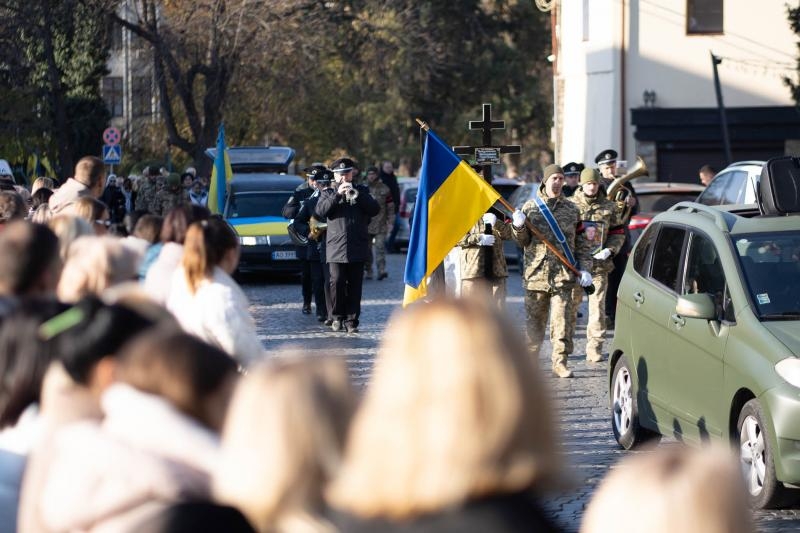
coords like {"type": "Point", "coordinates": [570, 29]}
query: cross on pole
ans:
{"type": "Point", "coordinates": [487, 154]}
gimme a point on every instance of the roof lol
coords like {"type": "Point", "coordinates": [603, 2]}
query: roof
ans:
{"type": "Point", "coordinates": [734, 219]}
{"type": "Point", "coordinates": [265, 182]}
{"type": "Point", "coordinates": [242, 157]}
{"type": "Point", "coordinates": [653, 187]}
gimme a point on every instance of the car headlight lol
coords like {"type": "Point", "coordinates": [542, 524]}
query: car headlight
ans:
{"type": "Point", "coordinates": [254, 240]}
{"type": "Point", "coordinates": [789, 370]}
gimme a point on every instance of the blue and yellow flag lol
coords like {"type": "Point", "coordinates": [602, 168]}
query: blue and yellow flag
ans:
{"type": "Point", "coordinates": [221, 175]}
{"type": "Point", "coordinates": [450, 199]}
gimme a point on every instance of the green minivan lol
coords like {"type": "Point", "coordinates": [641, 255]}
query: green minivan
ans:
{"type": "Point", "coordinates": [708, 337]}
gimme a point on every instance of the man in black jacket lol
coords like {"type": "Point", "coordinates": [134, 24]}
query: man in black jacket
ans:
{"type": "Point", "coordinates": [348, 209]}
{"type": "Point", "coordinates": [290, 210]}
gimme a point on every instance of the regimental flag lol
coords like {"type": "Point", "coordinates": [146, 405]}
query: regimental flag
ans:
{"type": "Point", "coordinates": [450, 199]}
{"type": "Point", "coordinates": [221, 175]}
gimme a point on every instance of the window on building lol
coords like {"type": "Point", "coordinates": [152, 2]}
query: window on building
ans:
{"type": "Point", "coordinates": [703, 16]}
{"type": "Point", "coordinates": [142, 96]}
{"type": "Point", "coordinates": [113, 94]}
{"type": "Point", "coordinates": [116, 37]}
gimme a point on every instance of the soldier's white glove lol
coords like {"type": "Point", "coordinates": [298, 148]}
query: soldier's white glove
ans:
{"type": "Point", "coordinates": [518, 219]}
{"type": "Point", "coordinates": [605, 253]}
{"type": "Point", "coordinates": [585, 279]}
{"type": "Point", "coordinates": [486, 240]}
{"type": "Point", "coordinates": [490, 218]}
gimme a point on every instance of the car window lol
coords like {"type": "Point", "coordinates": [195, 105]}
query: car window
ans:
{"type": "Point", "coordinates": [643, 246]}
{"type": "Point", "coordinates": [716, 189]}
{"type": "Point", "coordinates": [734, 191]}
{"type": "Point", "coordinates": [257, 205]}
{"type": "Point", "coordinates": [770, 261]}
{"type": "Point", "coordinates": [667, 256]}
{"type": "Point", "coordinates": [704, 272]}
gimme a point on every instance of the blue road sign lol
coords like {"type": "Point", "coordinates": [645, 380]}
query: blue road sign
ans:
{"type": "Point", "coordinates": [112, 154]}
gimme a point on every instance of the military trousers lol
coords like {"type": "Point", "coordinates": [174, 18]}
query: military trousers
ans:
{"type": "Point", "coordinates": [377, 253]}
{"type": "Point", "coordinates": [558, 306]}
{"type": "Point", "coordinates": [596, 323]}
{"type": "Point", "coordinates": [484, 288]}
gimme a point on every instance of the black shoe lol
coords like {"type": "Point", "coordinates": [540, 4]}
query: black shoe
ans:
{"type": "Point", "coordinates": [382, 275]}
{"type": "Point", "coordinates": [580, 315]}
{"type": "Point", "coordinates": [328, 321]}
{"type": "Point", "coordinates": [306, 309]}
{"type": "Point", "coordinates": [351, 328]}
{"type": "Point", "coordinates": [336, 325]}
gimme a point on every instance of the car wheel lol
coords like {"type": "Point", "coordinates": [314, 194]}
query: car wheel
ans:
{"type": "Point", "coordinates": [755, 456]}
{"type": "Point", "coordinates": [624, 409]}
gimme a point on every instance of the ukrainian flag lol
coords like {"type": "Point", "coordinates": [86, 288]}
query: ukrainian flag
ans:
{"type": "Point", "coordinates": [450, 199]}
{"type": "Point", "coordinates": [221, 175]}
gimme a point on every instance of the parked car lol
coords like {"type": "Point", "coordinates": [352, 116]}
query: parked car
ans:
{"type": "Point", "coordinates": [408, 197]}
{"type": "Point", "coordinates": [253, 208]}
{"type": "Point", "coordinates": [708, 337]}
{"type": "Point", "coordinates": [656, 197]}
{"type": "Point", "coordinates": [257, 159]}
{"type": "Point", "coordinates": [735, 184]}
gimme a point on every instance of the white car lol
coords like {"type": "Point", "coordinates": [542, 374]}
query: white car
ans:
{"type": "Point", "coordinates": [735, 184]}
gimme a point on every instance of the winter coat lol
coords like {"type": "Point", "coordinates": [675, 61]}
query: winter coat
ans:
{"type": "Point", "coordinates": [292, 206]}
{"type": "Point", "coordinates": [347, 236]}
{"type": "Point", "coordinates": [605, 214]}
{"type": "Point", "coordinates": [158, 280]}
{"type": "Point", "coordinates": [543, 270]}
{"type": "Point", "coordinates": [65, 195]}
{"type": "Point", "coordinates": [314, 250]}
{"type": "Point", "coordinates": [217, 313]}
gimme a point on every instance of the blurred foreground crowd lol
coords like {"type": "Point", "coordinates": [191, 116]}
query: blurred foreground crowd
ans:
{"type": "Point", "coordinates": [146, 402]}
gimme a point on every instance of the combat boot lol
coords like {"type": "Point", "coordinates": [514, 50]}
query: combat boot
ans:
{"type": "Point", "coordinates": [594, 357]}
{"type": "Point", "coordinates": [562, 371]}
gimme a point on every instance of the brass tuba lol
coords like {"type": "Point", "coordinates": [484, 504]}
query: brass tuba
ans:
{"type": "Point", "coordinates": [317, 229]}
{"type": "Point", "coordinates": [618, 192]}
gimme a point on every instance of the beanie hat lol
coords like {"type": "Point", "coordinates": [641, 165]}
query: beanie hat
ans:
{"type": "Point", "coordinates": [590, 175]}
{"type": "Point", "coordinates": [549, 170]}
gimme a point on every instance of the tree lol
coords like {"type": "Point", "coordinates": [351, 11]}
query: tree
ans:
{"type": "Point", "coordinates": [794, 22]}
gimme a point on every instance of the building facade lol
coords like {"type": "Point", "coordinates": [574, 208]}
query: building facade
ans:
{"type": "Point", "coordinates": [638, 76]}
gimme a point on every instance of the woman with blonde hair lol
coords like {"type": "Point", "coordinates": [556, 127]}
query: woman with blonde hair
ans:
{"type": "Point", "coordinates": [94, 264]}
{"type": "Point", "coordinates": [205, 298]}
{"type": "Point", "coordinates": [282, 442]}
{"type": "Point", "coordinates": [455, 432]}
{"type": "Point", "coordinates": [68, 228]}
{"type": "Point", "coordinates": [672, 489]}
{"type": "Point", "coordinates": [94, 212]}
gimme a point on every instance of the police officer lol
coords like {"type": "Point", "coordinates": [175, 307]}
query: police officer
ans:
{"type": "Point", "coordinates": [572, 172]}
{"type": "Point", "coordinates": [319, 178]}
{"type": "Point", "coordinates": [290, 210]}
{"type": "Point", "coordinates": [476, 279]}
{"type": "Point", "coordinates": [600, 218]}
{"type": "Point", "coordinates": [547, 281]}
{"type": "Point", "coordinates": [348, 209]}
{"type": "Point", "coordinates": [607, 164]}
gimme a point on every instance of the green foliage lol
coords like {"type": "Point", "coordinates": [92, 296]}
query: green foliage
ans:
{"type": "Point", "coordinates": [794, 22]}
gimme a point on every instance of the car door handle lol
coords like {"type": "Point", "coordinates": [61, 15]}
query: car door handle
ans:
{"type": "Point", "coordinates": [678, 320]}
{"type": "Point", "coordinates": [638, 297]}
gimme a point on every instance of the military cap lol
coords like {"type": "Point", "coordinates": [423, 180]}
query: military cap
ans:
{"type": "Point", "coordinates": [549, 170]}
{"type": "Point", "coordinates": [606, 156]}
{"type": "Point", "coordinates": [343, 164]}
{"type": "Point", "coordinates": [590, 175]}
{"type": "Point", "coordinates": [173, 179]}
{"type": "Point", "coordinates": [321, 174]}
{"type": "Point", "coordinates": [313, 170]}
{"type": "Point", "coordinates": [572, 168]}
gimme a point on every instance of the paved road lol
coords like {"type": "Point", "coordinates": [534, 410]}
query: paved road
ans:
{"type": "Point", "coordinates": [582, 402]}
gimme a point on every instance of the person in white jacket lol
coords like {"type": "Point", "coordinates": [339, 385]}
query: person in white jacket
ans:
{"type": "Point", "coordinates": [206, 300]}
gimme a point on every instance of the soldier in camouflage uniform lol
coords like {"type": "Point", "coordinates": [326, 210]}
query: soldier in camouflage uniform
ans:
{"type": "Point", "coordinates": [146, 192]}
{"type": "Point", "coordinates": [472, 260]}
{"type": "Point", "coordinates": [379, 224]}
{"type": "Point", "coordinates": [547, 281]}
{"type": "Point", "coordinates": [598, 211]}
{"type": "Point", "coordinates": [171, 196]}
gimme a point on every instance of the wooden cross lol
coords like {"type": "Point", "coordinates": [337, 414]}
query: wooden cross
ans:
{"type": "Point", "coordinates": [488, 150]}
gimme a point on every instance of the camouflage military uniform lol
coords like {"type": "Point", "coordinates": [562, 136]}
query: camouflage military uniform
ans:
{"type": "Point", "coordinates": [146, 195]}
{"type": "Point", "coordinates": [547, 282]}
{"type": "Point", "coordinates": [378, 227]}
{"type": "Point", "coordinates": [472, 260]}
{"type": "Point", "coordinates": [168, 198]}
{"type": "Point", "coordinates": [602, 210]}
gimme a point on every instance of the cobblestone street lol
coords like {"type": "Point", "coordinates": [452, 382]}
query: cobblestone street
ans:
{"type": "Point", "coordinates": [582, 402]}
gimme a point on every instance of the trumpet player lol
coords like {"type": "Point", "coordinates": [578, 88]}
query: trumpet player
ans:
{"type": "Point", "coordinates": [600, 223]}
{"type": "Point", "coordinates": [627, 207]}
{"type": "Point", "coordinates": [348, 209]}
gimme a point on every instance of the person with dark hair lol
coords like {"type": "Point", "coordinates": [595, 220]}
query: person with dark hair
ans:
{"type": "Point", "coordinates": [40, 197]}
{"type": "Point", "coordinates": [163, 258]}
{"type": "Point", "coordinates": [706, 174]}
{"type": "Point", "coordinates": [24, 359]}
{"type": "Point", "coordinates": [204, 297]}
{"type": "Point", "coordinates": [145, 235]}
{"type": "Point", "coordinates": [85, 340]}
{"type": "Point", "coordinates": [29, 263]}
{"type": "Point", "coordinates": [112, 196]}
{"type": "Point", "coordinates": [89, 180]}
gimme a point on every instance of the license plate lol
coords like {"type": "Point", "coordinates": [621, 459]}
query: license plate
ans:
{"type": "Point", "coordinates": [282, 255]}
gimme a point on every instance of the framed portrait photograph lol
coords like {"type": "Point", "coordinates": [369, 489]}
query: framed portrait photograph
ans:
{"type": "Point", "coordinates": [595, 233]}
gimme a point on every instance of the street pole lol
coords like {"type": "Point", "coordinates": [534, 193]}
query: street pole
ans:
{"type": "Point", "coordinates": [721, 106]}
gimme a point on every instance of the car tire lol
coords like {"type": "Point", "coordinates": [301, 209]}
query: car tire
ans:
{"type": "Point", "coordinates": [756, 458]}
{"type": "Point", "coordinates": [625, 410]}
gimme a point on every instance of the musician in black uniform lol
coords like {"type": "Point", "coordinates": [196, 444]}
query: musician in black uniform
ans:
{"type": "Point", "coordinates": [348, 209]}
{"type": "Point", "coordinates": [290, 210]}
{"type": "Point", "coordinates": [607, 164]}
{"type": "Point", "coordinates": [572, 173]}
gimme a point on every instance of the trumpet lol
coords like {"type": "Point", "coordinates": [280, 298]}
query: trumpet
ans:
{"type": "Point", "coordinates": [617, 191]}
{"type": "Point", "coordinates": [350, 195]}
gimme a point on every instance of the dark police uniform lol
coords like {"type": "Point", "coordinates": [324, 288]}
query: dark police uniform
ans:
{"type": "Point", "coordinates": [290, 210]}
{"type": "Point", "coordinates": [570, 170]}
{"type": "Point", "coordinates": [347, 246]}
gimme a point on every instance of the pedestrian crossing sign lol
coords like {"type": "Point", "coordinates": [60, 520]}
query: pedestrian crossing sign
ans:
{"type": "Point", "coordinates": [112, 154]}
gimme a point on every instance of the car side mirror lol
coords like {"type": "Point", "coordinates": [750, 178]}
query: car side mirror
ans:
{"type": "Point", "coordinates": [699, 305]}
